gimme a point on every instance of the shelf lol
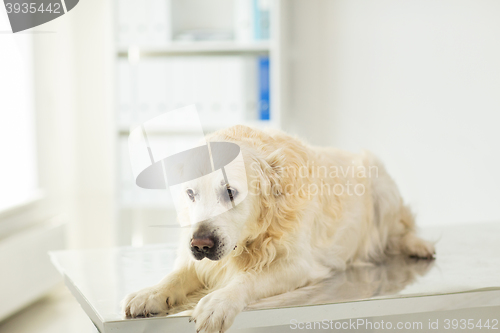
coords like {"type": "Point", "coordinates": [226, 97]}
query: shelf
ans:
{"type": "Point", "coordinates": [187, 130]}
{"type": "Point", "coordinates": [156, 206]}
{"type": "Point", "coordinates": [197, 48]}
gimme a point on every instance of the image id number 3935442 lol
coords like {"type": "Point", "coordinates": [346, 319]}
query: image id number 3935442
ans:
{"type": "Point", "coordinates": [470, 324]}
{"type": "Point", "coordinates": [31, 7]}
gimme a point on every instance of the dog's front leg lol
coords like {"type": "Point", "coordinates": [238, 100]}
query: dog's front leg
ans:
{"type": "Point", "coordinates": [217, 311]}
{"type": "Point", "coordinates": [169, 292]}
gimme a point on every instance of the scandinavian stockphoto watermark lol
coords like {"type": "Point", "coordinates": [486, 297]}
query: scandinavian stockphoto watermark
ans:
{"type": "Point", "coordinates": [26, 14]}
{"type": "Point", "coordinates": [355, 324]}
{"type": "Point", "coordinates": [336, 180]}
{"type": "Point", "coordinates": [370, 324]}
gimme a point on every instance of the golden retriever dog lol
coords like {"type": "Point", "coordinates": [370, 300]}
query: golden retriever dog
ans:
{"type": "Point", "coordinates": [309, 210]}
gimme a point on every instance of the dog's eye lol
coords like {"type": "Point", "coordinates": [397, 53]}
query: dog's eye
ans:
{"type": "Point", "coordinates": [190, 194]}
{"type": "Point", "coordinates": [232, 193]}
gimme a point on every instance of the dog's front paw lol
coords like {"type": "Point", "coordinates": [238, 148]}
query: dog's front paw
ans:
{"type": "Point", "coordinates": [216, 312]}
{"type": "Point", "coordinates": [148, 302]}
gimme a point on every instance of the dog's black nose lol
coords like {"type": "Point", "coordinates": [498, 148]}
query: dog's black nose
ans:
{"type": "Point", "coordinates": [202, 245]}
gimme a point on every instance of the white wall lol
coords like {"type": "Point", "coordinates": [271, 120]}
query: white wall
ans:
{"type": "Point", "coordinates": [416, 82]}
{"type": "Point", "coordinates": [75, 120]}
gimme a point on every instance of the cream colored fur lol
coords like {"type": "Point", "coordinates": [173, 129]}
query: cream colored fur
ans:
{"type": "Point", "coordinates": [285, 234]}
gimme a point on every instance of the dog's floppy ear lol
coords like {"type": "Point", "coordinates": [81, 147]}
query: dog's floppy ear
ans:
{"type": "Point", "coordinates": [283, 173]}
{"type": "Point", "coordinates": [280, 178]}
{"type": "Point", "coordinates": [288, 173]}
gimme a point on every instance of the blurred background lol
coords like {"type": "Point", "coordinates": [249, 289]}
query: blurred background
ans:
{"type": "Point", "coordinates": [416, 82]}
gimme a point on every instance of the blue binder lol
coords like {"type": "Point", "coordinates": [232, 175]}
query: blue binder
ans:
{"type": "Point", "coordinates": [263, 89]}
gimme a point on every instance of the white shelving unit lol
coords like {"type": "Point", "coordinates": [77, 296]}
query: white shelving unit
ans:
{"type": "Point", "coordinates": [145, 36]}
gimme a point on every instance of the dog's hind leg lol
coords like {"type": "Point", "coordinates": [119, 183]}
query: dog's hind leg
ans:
{"type": "Point", "coordinates": [414, 246]}
{"type": "Point", "coordinates": [392, 218]}
{"type": "Point", "coordinates": [410, 244]}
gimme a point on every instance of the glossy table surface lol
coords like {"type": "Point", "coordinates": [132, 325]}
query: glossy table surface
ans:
{"type": "Point", "coordinates": [466, 273]}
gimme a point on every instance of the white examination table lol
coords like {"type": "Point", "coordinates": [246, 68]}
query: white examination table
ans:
{"type": "Point", "coordinates": [466, 274]}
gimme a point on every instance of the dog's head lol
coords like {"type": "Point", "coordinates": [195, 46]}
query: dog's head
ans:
{"type": "Point", "coordinates": [238, 221]}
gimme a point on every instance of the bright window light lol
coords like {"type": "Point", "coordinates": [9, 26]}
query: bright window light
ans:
{"type": "Point", "coordinates": [18, 177]}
